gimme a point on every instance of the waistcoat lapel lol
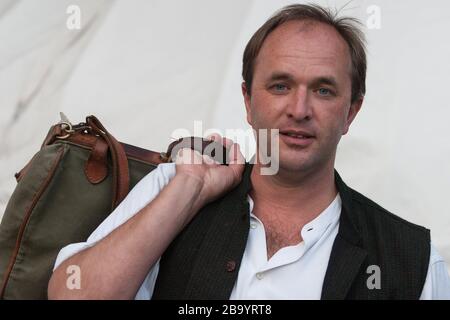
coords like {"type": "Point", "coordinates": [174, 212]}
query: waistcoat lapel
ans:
{"type": "Point", "coordinates": [347, 256]}
{"type": "Point", "coordinates": [214, 276]}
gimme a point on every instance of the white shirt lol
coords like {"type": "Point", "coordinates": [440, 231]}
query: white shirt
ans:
{"type": "Point", "coordinates": [294, 272]}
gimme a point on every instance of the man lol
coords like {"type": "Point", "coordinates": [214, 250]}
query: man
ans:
{"type": "Point", "coordinates": [208, 231]}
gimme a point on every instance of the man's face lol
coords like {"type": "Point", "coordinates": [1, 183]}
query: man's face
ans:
{"type": "Point", "coordinates": [302, 86]}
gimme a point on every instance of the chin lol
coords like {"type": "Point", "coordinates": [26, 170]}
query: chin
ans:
{"type": "Point", "coordinates": [295, 163]}
{"type": "Point", "coordinates": [295, 167]}
{"type": "Point", "coordinates": [304, 161]}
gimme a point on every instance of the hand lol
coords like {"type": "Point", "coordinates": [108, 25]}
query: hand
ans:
{"type": "Point", "coordinates": [215, 179]}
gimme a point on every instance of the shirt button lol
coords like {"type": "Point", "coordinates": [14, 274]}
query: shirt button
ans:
{"type": "Point", "coordinates": [253, 225]}
{"type": "Point", "coordinates": [260, 275]}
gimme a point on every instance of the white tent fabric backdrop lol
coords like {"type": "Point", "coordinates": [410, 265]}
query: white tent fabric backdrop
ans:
{"type": "Point", "coordinates": [147, 68]}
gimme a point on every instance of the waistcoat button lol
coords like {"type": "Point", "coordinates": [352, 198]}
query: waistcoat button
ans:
{"type": "Point", "coordinates": [231, 265]}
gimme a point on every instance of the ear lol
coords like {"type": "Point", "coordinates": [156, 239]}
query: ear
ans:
{"type": "Point", "coordinates": [247, 100]}
{"type": "Point", "coordinates": [352, 112]}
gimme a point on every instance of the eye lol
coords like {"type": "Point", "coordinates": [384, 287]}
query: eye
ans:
{"type": "Point", "coordinates": [324, 92]}
{"type": "Point", "coordinates": [279, 87]}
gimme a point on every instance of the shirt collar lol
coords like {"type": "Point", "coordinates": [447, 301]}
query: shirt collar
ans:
{"type": "Point", "coordinates": [313, 230]}
{"type": "Point", "coordinates": [349, 223]}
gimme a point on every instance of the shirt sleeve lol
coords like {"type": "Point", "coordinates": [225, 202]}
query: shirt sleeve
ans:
{"type": "Point", "coordinates": [437, 283]}
{"type": "Point", "coordinates": [142, 194]}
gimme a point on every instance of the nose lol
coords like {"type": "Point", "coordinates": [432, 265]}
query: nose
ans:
{"type": "Point", "coordinates": [299, 106]}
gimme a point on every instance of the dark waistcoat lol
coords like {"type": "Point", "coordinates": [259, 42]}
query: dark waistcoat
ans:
{"type": "Point", "coordinates": [203, 260]}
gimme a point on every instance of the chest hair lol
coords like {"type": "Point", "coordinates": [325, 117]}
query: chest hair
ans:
{"type": "Point", "coordinates": [280, 234]}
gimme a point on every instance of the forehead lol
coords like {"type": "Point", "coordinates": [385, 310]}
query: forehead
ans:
{"type": "Point", "coordinates": [300, 46]}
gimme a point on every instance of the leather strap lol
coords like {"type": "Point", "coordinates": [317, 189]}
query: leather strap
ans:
{"type": "Point", "coordinates": [96, 168]}
{"type": "Point", "coordinates": [212, 148]}
{"type": "Point", "coordinates": [54, 131]}
{"type": "Point", "coordinates": [121, 177]}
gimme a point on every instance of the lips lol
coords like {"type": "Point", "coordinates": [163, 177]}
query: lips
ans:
{"type": "Point", "coordinates": [294, 132]}
{"type": "Point", "coordinates": [294, 137]}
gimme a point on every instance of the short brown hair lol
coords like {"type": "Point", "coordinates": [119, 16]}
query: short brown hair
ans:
{"type": "Point", "coordinates": [347, 27]}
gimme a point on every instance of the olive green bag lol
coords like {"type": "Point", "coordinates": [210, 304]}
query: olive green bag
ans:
{"type": "Point", "coordinates": [67, 189]}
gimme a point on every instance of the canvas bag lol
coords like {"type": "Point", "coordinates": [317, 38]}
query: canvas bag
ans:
{"type": "Point", "coordinates": [80, 174]}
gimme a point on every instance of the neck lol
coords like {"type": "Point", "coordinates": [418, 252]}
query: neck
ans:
{"type": "Point", "coordinates": [298, 197]}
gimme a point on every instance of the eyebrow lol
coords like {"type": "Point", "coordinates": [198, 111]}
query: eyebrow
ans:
{"type": "Point", "coordinates": [276, 76]}
{"type": "Point", "coordinates": [329, 80]}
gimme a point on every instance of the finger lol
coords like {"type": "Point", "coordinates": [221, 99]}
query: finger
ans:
{"type": "Point", "coordinates": [227, 142]}
{"type": "Point", "coordinates": [208, 160]}
{"type": "Point", "coordinates": [237, 160]}
{"type": "Point", "coordinates": [188, 156]}
{"type": "Point", "coordinates": [235, 155]}
{"type": "Point", "coordinates": [214, 137]}
{"type": "Point", "coordinates": [218, 138]}
{"type": "Point", "coordinates": [179, 156]}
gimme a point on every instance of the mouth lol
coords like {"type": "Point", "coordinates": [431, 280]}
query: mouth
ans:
{"type": "Point", "coordinates": [297, 137]}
